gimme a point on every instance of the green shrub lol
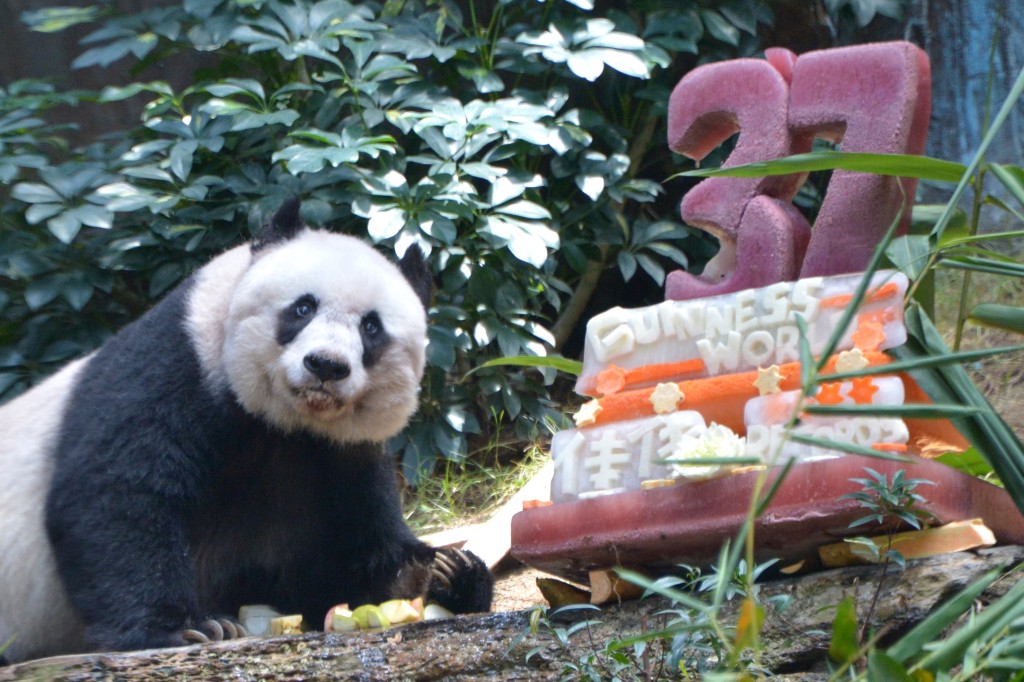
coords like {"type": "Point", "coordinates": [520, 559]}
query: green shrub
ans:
{"type": "Point", "coordinates": [520, 143]}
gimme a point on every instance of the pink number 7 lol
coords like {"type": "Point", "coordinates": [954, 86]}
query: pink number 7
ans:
{"type": "Point", "coordinates": [870, 98]}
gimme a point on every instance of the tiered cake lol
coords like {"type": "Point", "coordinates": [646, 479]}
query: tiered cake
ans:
{"type": "Point", "coordinates": [718, 379]}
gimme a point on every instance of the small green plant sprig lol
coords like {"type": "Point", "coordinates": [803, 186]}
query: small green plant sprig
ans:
{"type": "Point", "coordinates": [886, 500]}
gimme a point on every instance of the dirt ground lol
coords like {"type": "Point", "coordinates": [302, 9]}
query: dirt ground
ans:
{"type": "Point", "coordinates": [515, 586]}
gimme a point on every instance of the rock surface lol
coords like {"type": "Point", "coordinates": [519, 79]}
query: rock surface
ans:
{"type": "Point", "coordinates": [496, 645]}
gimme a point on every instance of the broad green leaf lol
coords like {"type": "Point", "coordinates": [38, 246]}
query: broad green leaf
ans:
{"type": "Point", "coordinates": [64, 226]}
{"type": "Point", "coordinates": [37, 213]}
{"type": "Point", "coordinates": [719, 27]}
{"type": "Point", "coordinates": [845, 642]}
{"type": "Point", "coordinates": [56, 19]}
{"type": "Point", "coordinates": [41, 291]}
{"type": "Point", "coordinates": [35, 193]}
{"type": "Point", "coordinates": [749, 624]}
{"type": "Point", "coordinates": [970, 462]}
{"type": "Point", "coordinates": [910, 254]}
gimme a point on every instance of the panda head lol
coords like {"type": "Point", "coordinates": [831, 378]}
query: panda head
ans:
{"type": "Point", "coordinates": [325, 334]}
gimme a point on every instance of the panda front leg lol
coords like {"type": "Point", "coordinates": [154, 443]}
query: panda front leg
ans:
{"type": "Point", "coordinates": [460, 581]}
{"type": "Point", "coordinates": [124, 560]}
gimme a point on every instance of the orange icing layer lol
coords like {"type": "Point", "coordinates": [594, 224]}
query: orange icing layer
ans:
{"type": "Point", "coordinates": [890, 447]}
{"type": "Point", "coordinates": [883, 292]}
{"type": "Point", "coordinates": [614, 379]}
{"type": "Point", "coordinates": [720, 399]}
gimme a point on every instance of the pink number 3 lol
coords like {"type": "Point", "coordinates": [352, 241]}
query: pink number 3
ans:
{"type": "Point", "coordinates": [868, 98]}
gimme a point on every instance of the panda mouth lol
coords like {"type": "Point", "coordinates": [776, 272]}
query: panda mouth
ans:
{"type": "Point", "coordinates": [320, 399]}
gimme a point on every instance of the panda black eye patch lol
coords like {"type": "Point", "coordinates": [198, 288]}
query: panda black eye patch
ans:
{"type": "Point", "coordinates": [294, 318]}
{"type": "Point", "coordinates": [374, 337]}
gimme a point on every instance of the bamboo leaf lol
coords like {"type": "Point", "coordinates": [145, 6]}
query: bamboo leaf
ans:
{"type": "Point", "coordinates": [1012, 178]}
{"type": "Point", "coordinates": [858, 296]}
{"type": "Point", "coordinates": [970, 239]}
{"type": "Point", "coordinates": [1002, 205]}
{"type": "Point", "coordinates": [766, 498]}
{"type": "Point", "coordinates": [903, 165]}
{"type": "Point", "coordinates": [979, 154]}
{"type": "Point", "coordinates": [984, 626]}
{"type": "Point", "coordinates": [566, 365]}
{"type": "Point", "coordinates": [946, 384]}
{"type": "Point", "coordinates": [704, 461]}
{"type": "Point", "coordinates": [925, 362]}
{"type": "Point", "coordinates": [906, 411]}
{"type": "Point", "coordinates": [997, 315]}
{"type": "Point", "coordinates": [847, 447]}
{"type": "Point", "coordinates": [912, 643]}
{"type": "Point", "coordinates": [987, 265]}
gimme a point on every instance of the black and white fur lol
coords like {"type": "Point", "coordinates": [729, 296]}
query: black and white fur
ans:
{"type": "Point", "coordinates": [225, 449]}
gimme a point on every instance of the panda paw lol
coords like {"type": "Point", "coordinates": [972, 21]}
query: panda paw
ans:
{"type": "Point", "coordinates": [460, 582]}
{"type": "Point", "coordinates": [214, 630]}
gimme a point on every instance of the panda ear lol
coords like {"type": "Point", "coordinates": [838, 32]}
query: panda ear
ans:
{"type": "Point", "coordinates": [285, 224]}
{"type": "Point", "coordinates": [417, 272]}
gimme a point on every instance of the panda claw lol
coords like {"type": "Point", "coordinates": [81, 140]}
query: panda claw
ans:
{"type": "Point", "coordinates": [216, 629]}
{"type": "Point", "coordinates": [441, 577]}
{"type": "Point", "coordinates": [195, 636]}
{"type": "Point", "coordinates": [445, 563]}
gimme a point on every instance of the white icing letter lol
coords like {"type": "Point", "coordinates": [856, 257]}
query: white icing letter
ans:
{"type": "Point", "coordinates": [618, 341]}
{"type": "Point", "coordinates": [758, 348]}
{"type": "Point", "coordinates": [759, 440]}
{"type": "Point", "coordinates": [787, 344]}
{"type": "Point", "coordinates": [718, 355]}
{"type": "Point", "coordinates": [686, 320]}
{"type": "Point", "coordinates": [646, 326]}
{"type": "Point", "coordinates": [806, 296]}
{"type": "Point", "coordinates": [719, 321]}
{"type": "Point", "coordinates": [776, 302]}
{"type": "Point", "coordinates": [565, 463]}
{"type": "Point", "coordinates": [746, 318]}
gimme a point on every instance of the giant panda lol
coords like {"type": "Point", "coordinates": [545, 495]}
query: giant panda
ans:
{"type": "Point", "coordinates": [227, 448]}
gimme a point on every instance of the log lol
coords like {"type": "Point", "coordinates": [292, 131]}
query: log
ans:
{"type": "Point", "coordinates": [496, 645]}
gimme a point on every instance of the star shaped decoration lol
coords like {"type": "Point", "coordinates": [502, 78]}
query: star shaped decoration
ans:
{"type": "Point", "coordinates": [768, 380]}
{"type": "Point", "coordinates": [587, 414]}
{"type": "Point", "coordinates": [611, 380]}
{"type": "Point", "coordinates": [665, 398]}
{"type": "Point", "coordinates": [862, 390]}
{"type": "Point", "coordinates": [851, 361]}
{"type": "Point", "coordinates": [829, 394]}
{"type": "Point", "coordinates": [869, 335]}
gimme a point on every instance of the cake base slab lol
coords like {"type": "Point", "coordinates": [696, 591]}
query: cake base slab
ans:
{"type": "Point", "coordinates": [687, 523]}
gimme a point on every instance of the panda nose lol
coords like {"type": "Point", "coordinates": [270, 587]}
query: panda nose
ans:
{"type": "Point", "coordinates": [326, 369]}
